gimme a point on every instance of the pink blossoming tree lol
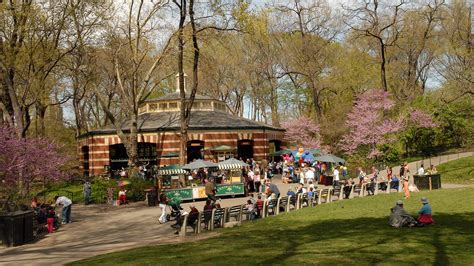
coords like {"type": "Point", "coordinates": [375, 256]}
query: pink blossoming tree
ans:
{"type": "Point", "coordinates": [302, 131]}
{"type": "Point", "coordinates": [368, 126]}
{"type": "Point", "coordinates": [25, 160]}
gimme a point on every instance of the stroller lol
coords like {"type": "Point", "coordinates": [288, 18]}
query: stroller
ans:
{"type": "Point", "coordinates": [175, 207]}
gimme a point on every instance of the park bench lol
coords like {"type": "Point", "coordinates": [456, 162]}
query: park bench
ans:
{"type": "Point", "coordinates": [234, 212]}
{"type": "Point", "coordinates": [218, 218]}
{"type": "Point", "coordinates": [282, 205]}
{"type": "Point", "coordinates": [205, 218]}
{"type": "Point", "coordinates": [397, 185]}
{"type": "Point", "coordinates": [269, 206]}
{"type": "Point", "coordinates": [324, 194]}
{"type": "Point", "coordinates": [337, 192]}
{"type": "Point", "coordinates": [190, 220]}
{"type": "Point", "coordinates": [356, 191]}
{"type": "Point", "coordinates": [292, 200]}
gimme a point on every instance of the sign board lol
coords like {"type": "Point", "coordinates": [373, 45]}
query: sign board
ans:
{"type": "Point", "coordinates": [233, 189]}
{"type": "Point", "coordinates": [199, 193]}
{"type": "Point", "coordinates": [182, 194]}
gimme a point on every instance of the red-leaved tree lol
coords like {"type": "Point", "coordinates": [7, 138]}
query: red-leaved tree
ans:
{"type": "Point", "coordinates": [368, 126]}
{"type": "Point", "coordinates": [302, 131]}
{"type": "Point", "coordinates": [25, 160]}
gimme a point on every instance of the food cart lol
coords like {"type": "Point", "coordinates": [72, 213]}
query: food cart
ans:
{"type": "Point", "coordinates": [233, 183]}
{"type": "Point", "coordinates": [169, 178]}
{"type": "Point", "coordinates": [173, 181]}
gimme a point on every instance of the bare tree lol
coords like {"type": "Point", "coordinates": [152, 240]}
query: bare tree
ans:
{"type": "Point", "coordinates": [380, 22]}
{"type": "Point", "coordinates": [135, 65]}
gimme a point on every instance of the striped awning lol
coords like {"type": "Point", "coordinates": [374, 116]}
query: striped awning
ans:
{"type": "Point", "coordinates": [171, 170]}
{"type": "Point", "coordinates": [232, 163]}
{"type": "Point", "coordinates": [230, 166]}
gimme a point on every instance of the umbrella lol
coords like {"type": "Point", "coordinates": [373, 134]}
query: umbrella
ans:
{"type": "Point", "coordinates": [170, 155]}
{"type": "Point", "coordinates": [123, 183]}
{"type": "Point", "coordinates": [232, 163]}
{"type": "Point", "coordinates": [308, 156]}
{"type": "Point", "coordinates": [199, 164]}
{"type": "Point", "coordinates": [173, 169]}
{"type": "Point", "coordinates": [315, 152]}
{"type": "Point", "coordinates": [329, 158]}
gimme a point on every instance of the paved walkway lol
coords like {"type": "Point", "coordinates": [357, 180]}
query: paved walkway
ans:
{"type": "Point", "coordinates": [413, 166]}
{"type": "Point", "coordinates": [97, 230]}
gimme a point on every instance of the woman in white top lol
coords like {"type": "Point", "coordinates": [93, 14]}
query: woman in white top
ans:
{"type": "Point", "coordinates": [336, 177]}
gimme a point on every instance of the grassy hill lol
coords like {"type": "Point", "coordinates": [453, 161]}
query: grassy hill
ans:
{"type": "Point", "coordinates": [458, 171]}
{"type": "Point", "coordinates": [348, 232]}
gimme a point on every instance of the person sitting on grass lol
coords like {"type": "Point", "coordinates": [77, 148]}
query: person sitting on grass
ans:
{"type": "Point", "coordinates": [399, 217]}
{"type": "Point", "coordinates": [425, 214]}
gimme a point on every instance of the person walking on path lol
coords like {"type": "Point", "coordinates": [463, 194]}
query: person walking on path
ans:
{"type": "Point", "coordinates": [66, 212]}
{"type": "Point", "coordinates": [87, 190]}
{"type": "Point", "coordinates": [257, 182]}
{"type": "Point", "coordinates": [210, 190]}
{"type": "Point", "coordinates": [162, 205]}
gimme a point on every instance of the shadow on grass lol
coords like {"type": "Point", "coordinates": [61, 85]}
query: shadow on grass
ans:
{"type": "Point", "coordinates": [352, 241]}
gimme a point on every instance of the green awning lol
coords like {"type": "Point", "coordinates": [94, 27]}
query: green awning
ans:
{"type": "Point", "coordinates": [223, 148]}
{"type": "Point", "coordinates": [170, 155]}
{"type": "Point", "coordinates": [173, 169]}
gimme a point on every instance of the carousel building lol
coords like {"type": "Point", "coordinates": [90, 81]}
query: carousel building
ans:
{"type": "Point", "coordinates": [214, 134]}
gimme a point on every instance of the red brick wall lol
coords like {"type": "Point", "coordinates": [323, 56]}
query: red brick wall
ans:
{"type": "Point", "coordinates": [169, 142]}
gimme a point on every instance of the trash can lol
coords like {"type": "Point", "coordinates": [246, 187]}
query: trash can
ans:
{"type": "Point", "coordinates": [427, 181]}
{"type": "Point", "coordinates": [28, 229]}
{"type": "Point", "coordinates": [16, 228]}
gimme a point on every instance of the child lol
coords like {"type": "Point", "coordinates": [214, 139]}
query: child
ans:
{"type": "Point", "coordinates": [122, 196]}
{"type": "Point", "coordinates": [310, 193]}
{"type": "Point", "coordinates": [50, 220]}
{"type": "Point", "coordinates": [250, 210]}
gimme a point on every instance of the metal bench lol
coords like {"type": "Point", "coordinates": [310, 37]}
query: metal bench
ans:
{"type": "Point", "coordinates": [324, 194]}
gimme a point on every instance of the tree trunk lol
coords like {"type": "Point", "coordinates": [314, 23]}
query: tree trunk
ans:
{"type": "Point", "coordinates": [132, 145]}
{"type": "Point", "coordinates": [383, 76]}
{"type": "Point", "coordinates": [183, 108]}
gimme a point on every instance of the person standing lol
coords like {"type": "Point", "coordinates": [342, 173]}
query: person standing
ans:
{"type": "Point", "coordinates": [309, 175]}
{"type": "Point", "coordinates": [257, 182]}
{"type": "Point", "coordinates": [251, 176]}
{"type": "Point", "coordinates": [421, 170]}
{"type": "Point", "coordinates": [86, 191]}
{"type": "Point", "coordinates": [66, 203]}
{"type": "Point", "coordinates": [210, 190]}
{"type": "Point", "coordinates": [162, 205]}
{"type": "Point", "coordinates": [406, 184]}
{"type": "Point", "coordinates": [336, 177]}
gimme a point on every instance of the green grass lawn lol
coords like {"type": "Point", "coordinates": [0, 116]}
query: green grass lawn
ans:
{"type": "Point", "coordinates": [348, 232]}
{"type": "Point", "coordinates": [459, 171]}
